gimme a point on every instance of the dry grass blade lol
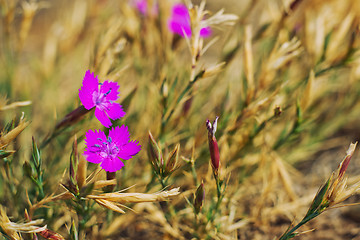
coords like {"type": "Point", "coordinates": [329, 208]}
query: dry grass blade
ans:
{"type": "Point", "coordinates": [14, 105]}
{"type": "Point", "coordinates": [136, 197]}
{"type": "Point", "coordinates": [10, 136]}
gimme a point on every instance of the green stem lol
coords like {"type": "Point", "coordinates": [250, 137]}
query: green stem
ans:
{"type": "Point", "coordinates": [194, 174]}
{"type": "Point", "coordinates": [220, 196]}
{"type": "Point", "coordinates": [290, 233]}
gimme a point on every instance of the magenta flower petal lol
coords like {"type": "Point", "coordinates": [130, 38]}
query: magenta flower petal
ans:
{"type": "Point", "coordinates": [115, 111]}
{"type": "Point", "coordinates": [145, 9]}
{"type": "Point", "coordinates": [111, 89]}
{"type": "Point", "coordinates": [180, 10]}
{"type": "Point", "coordinates": [90, 85]}
{"type": "Point", "coordinates": [102, 117]}
{"type": "Point", "coordinates": [179, 28]}
{"type": "Point", "coordinates": [93, 158]}
{"type": "Point", "coordinates": [110, 150]}
{"type": "Point", "coordinates": [130, 149]}
{"type": "Point", "coordinates": [141, 5]}
{"type": "Point", "coordinates": [205, 32]}
{"type": "Point", "coordinates": [112, 165]}
{"type": "Point", "coordinates": [179, 22]}
{"type": "Point", "coordinates": [92, 139]}
{"type": "Point", "coordinates": [120, 135]}
{"type": "Point", "coordinates": [102, 97]}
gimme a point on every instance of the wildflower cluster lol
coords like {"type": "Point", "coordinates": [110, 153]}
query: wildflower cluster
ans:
{"type": "Point", "coordinates": [270, 78]}
{"type": "Point", "coordinates": [103, 149]}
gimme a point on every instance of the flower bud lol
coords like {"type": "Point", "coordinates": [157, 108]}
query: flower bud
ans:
{"type": "Point", "coordinates": [155, 154]}
{"type": "Point", "coordinates": [277, 111]}
{"type": "Point", "coordinates": [74, 167]}
{"type": "Point", "coordinates": [199, 198]}
{"type": "Point", "coordinates": [213, 146]}
{"type": "Point", "coordinates": [172, 160]}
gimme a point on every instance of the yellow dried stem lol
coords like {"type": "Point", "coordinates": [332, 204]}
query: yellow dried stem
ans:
{"type": "Point", "coordinates": [285, 178]}
{"type": "Point", "coordinates": [50, 51]}
{"type": "Point", "coordinates": [29, 10]}
{"type": "Point", "coordinates": [248, 64]}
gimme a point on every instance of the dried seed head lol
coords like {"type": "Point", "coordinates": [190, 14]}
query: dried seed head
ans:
{"type": "Point", "coordinates": [12, 229]}
{"type": "Point", "coordinates": [114, 200]}
{"type": "Point", "coordinates": [10, 136]}
{"type": "Point", "coordinates": [282, 54]}
{"type": "Point", "coordinates": [120, 197]}
{"type": "Point", "coordinates": [335, 190]}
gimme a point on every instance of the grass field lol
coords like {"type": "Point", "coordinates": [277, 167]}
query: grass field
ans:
{"type": "Point", "coordinates": [246, 126]}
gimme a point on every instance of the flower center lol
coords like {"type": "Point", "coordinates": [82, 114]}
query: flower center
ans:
{"type": "Point", "coordinates": [100, 99]}
{"type": "Point", "coordinates": [107, 149]}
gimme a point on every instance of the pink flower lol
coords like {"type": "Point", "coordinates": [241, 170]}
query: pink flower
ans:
{"type": "Point", "coordinates": [102, 97]}
{"type": "Point", "coordinates": [143, 8]}
{"type": "Point", "coordinates": [179, 22]}
{"type": "Point", "coordinates": [141, 5]}
{"type": "Point", "coordinates": [110, 150]}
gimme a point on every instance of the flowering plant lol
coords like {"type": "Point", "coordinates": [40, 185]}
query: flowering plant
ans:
{"type": "Point", "coordinates": [102, 96]}
{"type": "Point", "coordinates": [180, 23]}
{"type": "Point", "coordinates": [108, 150]}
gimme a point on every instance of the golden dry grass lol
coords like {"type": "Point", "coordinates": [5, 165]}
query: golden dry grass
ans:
{"type": "Point", "coordinates": [283, 76]}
